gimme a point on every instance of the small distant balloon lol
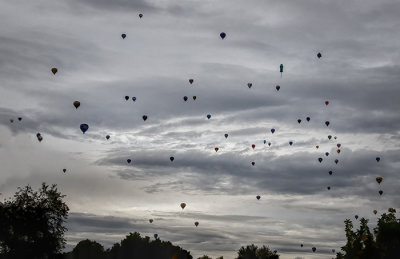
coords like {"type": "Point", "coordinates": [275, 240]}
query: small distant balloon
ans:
{"type": "Point", "coordinates": [258, 197]}
{"type": "Point", "coordinates": [129, 161]}
{"type": "Point", "coordinates": [196, 223]}
{"type": "Point", "coordinates": [208, 116]}
{"type": "Point", "coordinates": [313, 249]}
{"type": "Point", "coordinates": [336, 161]}
{"type": "Point", "coordinates": [84, 127]}
{"type": "Point", "coordinates": [11, 120]}
{"type": "Point", "coordinates": [265, 142]}
{"type": "Point", "coordinates": [253, 146]}
{"type": "Point", "coordinates": [64, 170]}
{"type": "Point", "coordinates": [326, 103]}
{"type": "Point", "coordinates": [77, 104]}
{"type": "Point", "coordinates": [222, 35]}
{"type": "Point", "coordinates": [356, 216]}
{"type": "Point", "coordinates": [191, 80]}
{"type": "Point", "coordinates": [328, 187]}
{"type": "Point", "coordinates": [278, 87]}
{"type": "Point", "coordinates": [327, 123]}
{"type": "Point", "coordinates": [126, 98]}
{"type": "Point", "coordinates": [326, 153]}
{"type": "Point", "coordinates": [19, 118]}
{"type": "Point", "coordinates": [338, 151]}
{"type": "Point", "coordinates": [272, 131]}
{"type": "Point", "coordinates": [308, 118]}
{"type": "Point", "coordinates": [226, 135]}
{"type": "Point", "coordinates": [123, 35]}
{"type": "Point", "coordinates": [183, 205]}
{"type": "Point", "coordinates": [380, 192]}
{"type": "Point", "coordinates": [140, 16]}
{"type": "Point", "coordinates": [216, 149]}
{"type": "Point", "coordinates": [134, 99]}
{"type": "Point", "coordinates": [317, 147]}
{"type": "Point", "coordinates": [338, 145]}
{"type": "Point", "coordinates": [379, 180]}
{"type": "Point", "coordinates": [375, 211]}
{"type": "Point", "coordinates": [299, 121]}
{"type": "Point", "coordinates": [319, 55]}
{"type": "Point", "coordinates": [151, 220]}
{"type": "Point", "coordinates": [269, 143]}
{"type": "Point", "coordinates": [155, 236]}
{"type": "Point", "coordinates": [378, 159]}
{"type": "Point", "coordinates": [249, 85]}
{"type": "Point", "coordinates": [330, 172]}
{"type": "Point", "coordinates": [281, 69]}
{"type": "Point", "coordinates": [320, 159]}
{"type": "Point", "coordinates": [194, 98]}
{"type": "Point", "coordinates": [144, 117]}
{"type": "Point", "coordinates": [54, 70]}
{"type": "Point", "coordinates": [290, 142]}
{"type": "Point", "coordinates": [108, 137]}
{"type": "Point", "coordinates": [185, 98]}
{"type": "Point", "coordinates": [329, 137]}
{"type": "Point", "coordinates": [253, 163]}
{"type": "Point", "coordinates": [172, 158]}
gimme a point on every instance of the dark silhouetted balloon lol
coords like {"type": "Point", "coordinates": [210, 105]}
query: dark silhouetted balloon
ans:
{"type": "Point", "coordinates": [140, 16]}
{"type": "Point", "coordinates": [338, 151]}
{"type": "Point", "coordinates": [375, 211]}
{"type": "Point", "coordinates": [191, 80]}
{"type": "Point", "coordinates": [269, 143]}
{"type": "Point", "coordinates": [327, 123]}
{"type": "Point", "coordinates": [129, 161]}
{"type": "Point", "coordinates": [253, 163]}
{"type": "Point", "coordinates": [258, 197]}
{"type": "Point", "coordinates": [272, 131]}
{"type": "Point", "coordinates": [40, 138]}
{"type": "Point", "coordinates": [336, 161]}
{"type": "Point", "coordinates": [313, 249]}
{"type": "Point", "coordinates": [194, 98]}
{"type": "Point", "coordinates": [326, 103]}
{"type": "Point", "coordinates": [308, 118]}
{"type": "Point", "coordinates": [171, 158]}
{"type": "Point", "coordinates": [155, 236]}
{"type": "Point", "coordinates": [249, 85]}
{"type": "Point", "coordinates": [19, 118]}
{"type": "Point", "coordinates": [379, 180]}
{"type": "Point", "coordinates": [226, 135]}
{"type": "Point", "coordinates": [328, 187]}
{"type": "Point", "coordinates": [216, 149]}
{"type": "Point", "coordinates": [222, 35]}
{"type": "Point", "coordinates": [320, 159]}
{"type": "Point", "coordinates": [317, 147]}
{"type": "Point", "coordinates": [134, 99]}
{"type": "Point", "coordinates": [301, 245]}
{"type": "Point", "coordinates": [290, 142]}
{"type": "Point", "coordinates": [378, 159]}
{"type": "Point", "coordinates": [185, 98]}
{"type": "Point", "coordinates": [319, 55]}
{"type": "Point", "coordinates": [281, 69]}
{"type": "Point", "coordinates": [77, 104]}
{"type": "Point", "coordinates": [11, 120]}
{"type": "Point", "coordinates": [326, 153]}
{"type": "Point", "coordinates": [380, 192]}
{"type": "Point", "coordinates": [299, 121]}
{"type": "Point", "coordinates": [54, 70]}
{"type": "Point", "coordinates": [151, 220]}
{"type": "Point", "coordinates": [183, 205]}
{"type": "Point", "coordinates": [144, 117]}
{"type": "Point", "coordinates": [84, 128]}
{"type": "Point", "coordinates": [208, 116]}
{"type": "Point", "coordinates": [330, 172]}
{"type": "Point", "coordinates": [265, 142]}
{"type": "Point", "coordinates": [196, 223]}
{"type": "Point", "coordinates": [329, 137]}
{"type": "Point", "coordinates": [64, 170]}
{"type": "Point", "coordinates": [356, 216]}
{"type": "Point", "coordinates": [278, 87]}
{"type": "Point", "coordinates": [108, 137]}
{"type": "Point", "coordinates": [253, 146]}
{"type": "Point", "coordinates": [126, 98]}
{"type": "Point", "coordinates": [123, 35]}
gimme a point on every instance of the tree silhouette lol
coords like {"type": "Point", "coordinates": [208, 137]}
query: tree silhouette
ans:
{"type": "Point", "coordinates": [88, 249]}
{"type": "Point", "coordinates": [361, 243]}
{"type": "Point", "coordinates": [31, 223]}
{"type": "Point", "coordinates": [253, 252]}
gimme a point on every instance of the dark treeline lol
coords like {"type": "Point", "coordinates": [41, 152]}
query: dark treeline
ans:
{"type": "Point", "coordinates": [31, 227]}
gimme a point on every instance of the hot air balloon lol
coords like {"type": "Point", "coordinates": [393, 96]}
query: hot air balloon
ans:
{"type": "Point", "coordinates": [330, 172]}
{"type": "Point", "coordinates": [183, 205]}
{"type": "Point", "coordinates": [196, 223]}
{"type": "Point", "coordinates": [356, 216]}
{"type": "Point", "coordinates": [378, 159]}
{"type": "Point", "coordinates": [123, 35]}
{"type": "Point", "coordinates": [326, 103]}
{"type": "Point", "coordinates": [126, 98]}
{"type": "Point", "coordinates": [320, 159]}
{"type": "Point", "coordinates": [185, 98]}
{"type": "Point", "coordinates": [290, 142]}
{"type": "Point", "coordinates": [281, 69]}
{"type": "Point", "coordinates": [144, 117]}
{"type": "Point", "coordinates": [308, 118]}
{"type": "Point", "coordinates": [338, 151]}
{"type": "Point", "coordinates": [222, 35]}
{"type": "Point", "coordinates": [338, 145]}
{"type": "Point", "coordinates": [335, 137]}
{"type": "Point", "coordinates": [155, 236]}
{"type": "Point", "coordinates": [272, 131]}
{"type": "Point", "coordinates": [269, 143]}
{"type": "Point", "coordinates": [375, 211]}
{"type": "Point", "coordinates": [326, 153]}
{"type": "Point", "coordinates": [129, 161]}
{"type": "Point", "coordinates": [37, 134]}
{"type": "Point", "coordinates": [313, 249]}
{"type": "Point", "coordinates": [226, 135]}
{"type": "Point", "coordinates": [140, 16]}
{"type": "Point", "coordinates": [278, 87]}
{"type": "Point", "coordinates": [329, 137]}
{"type": "Point", "coordinates": [265, 142]}
{"type": "Point", "coordinates": [40, 138]}
{"type": "Point", "coordinates": [327, 123]}
{"type": "Point", "coordinates": [108, 137]}
{"type": "Point", "coordinates": [380, 192]}
{"type": "Point", "coordinates": [77, 104]}
{"type": "Point", "coordinates": [19, 118]}
{"type": "Point", "coordinates": [84, 128]}
{"type": "Point", "coordinates": [333, 250]}
{"type": "Point", "coordinates": [336, 161]}
{"type": "Point", "coordinates": [328, 187]}
{"type": "Point", "coordinates": [299, 121]}
{"type": "Point", "coordinates": [216, 149]}
{"type": "Point", "coordinates": [64, 170]}
{"type": "Point", "coordinates": [301, 245]}
{"type": "Point", "coordinates": [191, 80]}
{"type": "Point", "coordinates": [249, 85]}
{"type": "Point", "coordinates": [253, 146]}
{"type": "Point", "coordinates": [11, 120]}
{"type": "Point", "coordinates": [172, 158]}
{"type": "Point", "coordinates": [258, 197]}
{"type": "Point", "coordinates": [208, 116]}
{"type": "Point", "coordinates": [151, 220]}
{"type": "Point", "coordinates": [379, 180]}
{"type": "Point", "coordinates": [54, 70]}
{"type": "Point", "coordinates": [194, 98]}
{"type": "Point", "coordinates": [134, 99]}
{"type": "Point", "coordinates": [253, 163]}
{"type": "Point", "coordinates": [317, 147]}
{"type": "Point", "coordinates": [319, 55]}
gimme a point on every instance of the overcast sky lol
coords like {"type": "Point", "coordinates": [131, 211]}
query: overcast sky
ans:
{"type": "Point", "coordinates": [359, 74]}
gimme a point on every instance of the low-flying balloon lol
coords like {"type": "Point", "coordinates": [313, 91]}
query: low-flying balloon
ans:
{"type": "Point", "coordinates": [84, 127]}
{"type": "Point", "coordinates": [77, 104]}
{"type": "Point", "coordinates": [155, 236]}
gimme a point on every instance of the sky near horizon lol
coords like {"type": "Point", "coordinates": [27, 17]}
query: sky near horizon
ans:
{"type": "Point", "coordinates": [358, 73]}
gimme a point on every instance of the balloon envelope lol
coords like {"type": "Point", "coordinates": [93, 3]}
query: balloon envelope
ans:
{"type": "Point", "coordinates": [134, 99]}
{"type": "Point", "coordinates": [320, 159]}
{"type": "Point", "coordinates": [126, 98]}
{"type": "Point", "coordinates": [278, 87]}
{"type": "Point", "coordinates": [191, 81]}
{"type": "Point", "coordinates": [171, 158]}
{"type": "Point", "coordinates": [183, 205]}
{"type": "Point", "coordinates": [319, 55]}
{"type": "Point", "coordinates": [208, 116]}
{"type": "Point", "coordinates": [84, 128]}
{"type": "Point", "coordinates": [196, 223]}
{"type": "Point", "coordinates": [222, 35]}
{"type": "Point", "coordinates": [123, 35]}
{"type": "Point", "coordinates": [378, 159]}
{"type": "Point", "coordinates": [226, 135]}
{"type": "Point", "coordinates": [144, 117]}
{"type": "Point", "coordinates": [77, 104]}
{"type": "Point", "coordinates": [258, 197]}
{"type": "Point", "coordinates": [108, 137]}
{"type": "Point", "coordinates": [249, 85]}
{"type": "Point", "coordinates": [272, 131]}
{"type": "Point", "coordinates": [308, 118]}
{"type": "Point", "coordinates": [379, 179]}
{"type": "Point", "coordinates": [54, 70]}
